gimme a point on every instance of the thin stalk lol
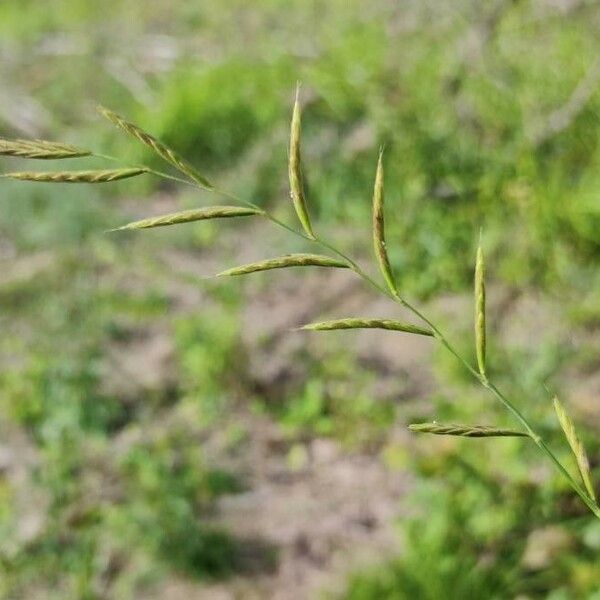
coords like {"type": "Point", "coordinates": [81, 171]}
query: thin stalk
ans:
{"type": "Point", "coordinates": [395, 296]}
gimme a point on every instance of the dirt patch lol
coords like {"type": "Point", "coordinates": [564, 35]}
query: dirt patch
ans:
{"type": "Point", "coordinates": [312, 513]}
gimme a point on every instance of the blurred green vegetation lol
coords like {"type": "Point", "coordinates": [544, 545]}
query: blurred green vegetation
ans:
{"type": "Point", "coordinates": [471, 543]}
{"type": "Point", "coordinates": [489, 117]}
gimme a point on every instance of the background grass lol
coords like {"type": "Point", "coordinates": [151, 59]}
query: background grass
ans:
{"type": "Point", "coordinates": [489, 116]}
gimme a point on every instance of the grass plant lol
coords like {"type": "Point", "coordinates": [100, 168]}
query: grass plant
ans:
{"type": "Point", "coordinates": [190, 175]}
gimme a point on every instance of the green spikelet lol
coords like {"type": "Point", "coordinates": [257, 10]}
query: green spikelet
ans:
{"type": "Point", "coordinates": [159, 148]}
{"type": "Point", "coordinates": [465, 430]}
{"type": "Point", "coordinates": [282, 262]}
{"type": "Point", "coordinates": [354, 323]}
{"type": "Point", "coordinates": [105, 176]}
{"type": "Point", "coordinates": [189, 216]}
{"type": "Point", "coordinates": [577, 448]}
{"type": "Point", "coordinates": [379, 228]}
{"type": "Point", "coordinates": [295, 169]}
{"type": "Point", "coordinates": [480, 328]}
{"type": "Point", "coordinates": [40, 149]}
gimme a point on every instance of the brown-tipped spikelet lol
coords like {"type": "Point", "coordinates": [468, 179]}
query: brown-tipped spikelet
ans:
{"type": "Point", "coordinates": [577, 448]}
{"type": "Point", "coordinates": [188, 216]}
{"type": "Point", "coordinates": [465, 430]}
{"type": "Point", "coordinates": [480, 332]}
{"type": "Point", "coordinates": [295, 169]}
{"type": "Point", "coordinates": [282, 262]}
{"type": "Point", "coordinates": [158, 147]}
{"type": "Point", "coordinates": [354, 323]}
{"type": "Point", "coordinates": [379, 228]}
{"type": "Point", "coordinates": [40, 149]}
{"type": "Point", "coordinates": [78, 176]}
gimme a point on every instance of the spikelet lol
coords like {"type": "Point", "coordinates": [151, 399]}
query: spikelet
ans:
{"type": "Point", "coordinates": [379, 227]}
{"type": "Point", "coordinates": [158, 147]}
{"type": "Point", "coordinates": [354, 323]}
{"type": "Point", "coordinates": [40, 149]}
{"type": "Point", "coordinates": [480, 333]}
{"type": "Point", "coordinates": [465, 430]}
{"type": "Point", "coordinates": [289, 260]}
{"type": "Point", "coordinates": [188, 216]}
{"type": "Point", "coordinates": [577, 448]}
{"type": "Point", "coordinates": [295, 169]}
{"type": "Point", "coordinates": [78, 176]}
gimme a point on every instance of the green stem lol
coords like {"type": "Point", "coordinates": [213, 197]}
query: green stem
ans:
{"type": "Point", "coordinates": [395, 296]}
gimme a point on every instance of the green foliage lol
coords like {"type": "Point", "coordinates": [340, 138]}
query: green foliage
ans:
{"type": "Point", "coordinates": [468, 538]}
{"type": "Point", "coordinates": [209, 355]}
{"type": "Point", "coordinates": [114, 500]}
{"type": "Point", "coordinates": [213, 116]}
{"type": "Point", "coordinates": [169, 489]}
